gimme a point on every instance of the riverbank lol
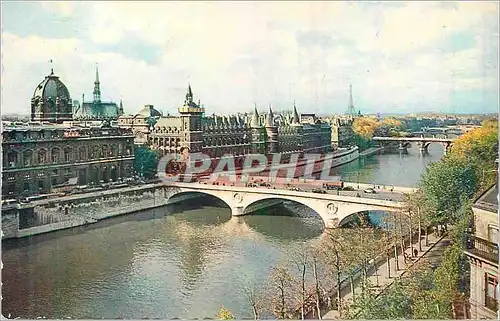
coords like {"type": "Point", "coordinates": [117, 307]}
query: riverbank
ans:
{"type": "Point", "coordinates": [50, 215]}
{"type": "Point", "coordinates": [370, 151]}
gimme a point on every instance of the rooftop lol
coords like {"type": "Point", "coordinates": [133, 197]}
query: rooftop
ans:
{"type": "Point", "coordinates": [489, 200]}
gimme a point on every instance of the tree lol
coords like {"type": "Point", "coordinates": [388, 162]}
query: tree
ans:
{"type": "Point", "coordinates": [480, 148]}
{"type": "Point", "coordinates": [146, 161]}
{"type": "Point", "coordinates": [281, 280]}
{"type": "Point", "coordinates": [445, 184]}
{"type": "Point", "coordinates": [334, 248]}
{"type": "Point", "coordinates": [301, 261]}
{"type": "Point", "coordinates": [315, 259]}
{"type": "Point", "coordinates": [224, 314]}
{"type": "Point", "coordinates": [253, 297]}
{"type": "Point", "coordinates": [365, 127]}
{"type": "Point", "coordinates": [418, 205]}
{"type": "Point", "coordinates": [389, 127]}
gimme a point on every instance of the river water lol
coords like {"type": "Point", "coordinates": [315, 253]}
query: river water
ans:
{"type": "Point", "coordinates": [180, 261]}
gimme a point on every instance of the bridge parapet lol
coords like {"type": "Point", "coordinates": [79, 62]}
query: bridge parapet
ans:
{"type": "Point", "coordinates": [423, 142]}
{"type": "Point", "coordinates": [333, 209]}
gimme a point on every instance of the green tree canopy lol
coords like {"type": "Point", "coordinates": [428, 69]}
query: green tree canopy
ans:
{"type": "Point", "coordinates": [146, 161]}
{"type": "Point", "coordinates": [447, 184]}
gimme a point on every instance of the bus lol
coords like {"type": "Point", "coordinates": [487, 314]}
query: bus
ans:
{"type": "Point", "coordinates": [333, 185]}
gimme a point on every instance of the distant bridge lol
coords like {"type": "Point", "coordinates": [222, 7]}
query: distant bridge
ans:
{"type": "Point", "coordinates": [423, 142]}
{"type": "Point", "coordinates": [335, 210]}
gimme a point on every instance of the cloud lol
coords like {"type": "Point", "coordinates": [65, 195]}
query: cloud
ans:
{"type": "Point", "coordinates": [415, 55]}
{"type": "Point", "coordinates": [64, 9]}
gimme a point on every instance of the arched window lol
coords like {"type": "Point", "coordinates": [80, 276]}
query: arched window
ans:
{"type": "Point", "coordinates": [42, 156]}
{"type": "Point", "coordinates": [55, 154]}
{"type": "Point", "coordinates": [28, 157]}
{"type": "Point", "coordinates": [67, 154]}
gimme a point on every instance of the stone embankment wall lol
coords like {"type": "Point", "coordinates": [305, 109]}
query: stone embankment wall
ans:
{"type": "Point", "coordinates": [65, 212]}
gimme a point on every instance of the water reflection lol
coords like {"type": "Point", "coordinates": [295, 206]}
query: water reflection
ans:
{"type": "Point", "coordinates": [391, 168]}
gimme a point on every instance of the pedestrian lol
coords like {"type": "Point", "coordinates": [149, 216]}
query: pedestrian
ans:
{"type": "Point", "coordinates": [415, 252]}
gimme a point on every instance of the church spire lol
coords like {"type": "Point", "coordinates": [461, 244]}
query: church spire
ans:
{"type": "Point", "coordinates": [120, 109]}
{"type": "Point", "coordinates": [189, 95]}
{"type": "Point", "coordinates": [97, 86]}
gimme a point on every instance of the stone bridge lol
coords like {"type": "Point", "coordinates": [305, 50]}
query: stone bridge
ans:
{"type": "Point", "coordinates": [335, 210]}
{"type": "Point", "coordinates": [423, 142]}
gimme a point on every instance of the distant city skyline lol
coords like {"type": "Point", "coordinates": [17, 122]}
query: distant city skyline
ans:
{"type": "Point", "coordinates": [408, 57]}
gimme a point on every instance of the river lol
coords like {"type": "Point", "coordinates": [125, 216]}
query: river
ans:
{"type": "Point", "coordinates": [180, 261]}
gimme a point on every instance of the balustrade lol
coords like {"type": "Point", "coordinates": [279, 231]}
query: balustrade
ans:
{"type": "Point", "coordinates": [482, 248]}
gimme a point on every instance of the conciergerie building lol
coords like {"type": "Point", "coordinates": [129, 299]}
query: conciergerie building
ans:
{"type": "Point", "coordinates": [53, 150]}
{"type": "Point", "coordinates": [238, 134]}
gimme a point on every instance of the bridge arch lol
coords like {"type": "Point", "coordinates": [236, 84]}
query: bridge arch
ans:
{"type": "Point", "coordinates": [317, 210]}
{"type": "Point", "coordinates": [352, 217]}
{"type": "Point", "coordinates": [178, 194]}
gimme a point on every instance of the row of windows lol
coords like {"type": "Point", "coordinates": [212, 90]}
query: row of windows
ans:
{"type": "Point", "coordinates": [66, 155]}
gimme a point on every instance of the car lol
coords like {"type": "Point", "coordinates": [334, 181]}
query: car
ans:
{"type": "Point", "coordinates": [370, 191]}
{"type": "Point", "coordinates": [348, 188]}
{"type": "Point", "coordinates": [319, 190]}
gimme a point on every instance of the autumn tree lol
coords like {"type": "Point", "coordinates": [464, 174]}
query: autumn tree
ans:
{"type": "Point", "coordinates": [479, 147]}
{"type": "Point", "coordinates": [281, 286]}
{"type": "Point", "coordinates": [390, 127]}
{"type": "Point", "coordinates": [224, 314]}
{"type": "Point", "coordinates": [365, 127]}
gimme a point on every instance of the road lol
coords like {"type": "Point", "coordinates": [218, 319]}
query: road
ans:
{"type": "Point", "coordinates": [379, 193]}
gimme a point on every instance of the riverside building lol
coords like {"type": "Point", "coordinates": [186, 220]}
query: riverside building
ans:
{"type": "Point", "coordinates": [53, 150]}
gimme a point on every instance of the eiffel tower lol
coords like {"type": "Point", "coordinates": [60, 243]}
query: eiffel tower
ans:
{"type": "Point", "coordinates": [350, 109]}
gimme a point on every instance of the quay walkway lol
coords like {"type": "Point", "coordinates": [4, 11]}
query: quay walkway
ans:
{"type": "Point", "coordinates": [433, 252]}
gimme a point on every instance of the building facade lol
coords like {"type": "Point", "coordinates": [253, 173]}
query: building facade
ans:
{"type": "Point", "coordinates": [342, 131]}
{"type": "Point", "coordinates": [237, 134]}
{"type": "Point", "coordinates": [482, 251]}
{"type": "Point", "coordinates": [97, 110]}
{"type": "Point", "coordinates": [54, 151]}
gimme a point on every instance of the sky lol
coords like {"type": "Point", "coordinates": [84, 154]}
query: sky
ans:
{"type": "Point", "coordinates": [400, 57]}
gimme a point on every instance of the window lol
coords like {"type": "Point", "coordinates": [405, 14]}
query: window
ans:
{"type": "Point", "coordinates": [67, 155]}
{"type": "Point", "coordinates": [493, 234]}
{"type": "Point", "coordinates": [12, 158]}
{"type": "Point", "coordinates": [27, 157]}
{"type": "Point", "coordinates": [491, 292]}
{"type": "Point", "coordinates": [41, 156]}
{"type": "Point", "coordinates": [55, 156]}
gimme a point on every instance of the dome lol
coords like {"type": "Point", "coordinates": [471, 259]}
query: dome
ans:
{"type": "Point", "coordinates": [149, 111]}
{"type": "Point", "coordinates": [51, 88]}
{"type": "Point", "coordinates": [51, 101]}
